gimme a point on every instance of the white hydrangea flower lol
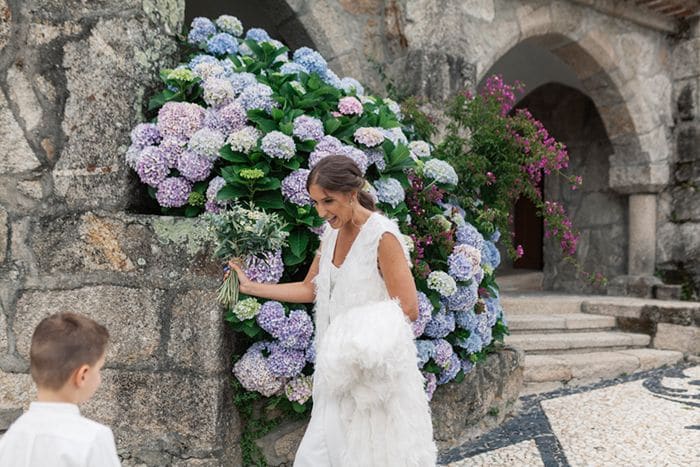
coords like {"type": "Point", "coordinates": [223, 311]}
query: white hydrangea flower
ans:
{"type": "Point", "coordinates": [440, 171]}
{"type": "Point", "coordinates": [244, 140]}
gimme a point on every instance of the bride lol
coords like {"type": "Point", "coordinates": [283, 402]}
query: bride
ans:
{"type": "Point", "coordinates": [369, 405]}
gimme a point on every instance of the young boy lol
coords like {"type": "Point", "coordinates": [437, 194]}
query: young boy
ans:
{"type": "Point", "coordinates": [66, 356]}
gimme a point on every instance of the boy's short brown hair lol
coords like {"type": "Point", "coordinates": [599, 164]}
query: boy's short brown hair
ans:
{"type": "Point", "coordinates": [62, 343]}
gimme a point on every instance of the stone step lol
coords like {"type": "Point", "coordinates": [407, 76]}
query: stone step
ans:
{"type": "Point", "coordinates": [521, 281]}
{"type": "Point", "coordinates": [542, 323]}
{"type": "Point", "coordinates": [544, 373]}
{"type": "Point", "coordinates": [534, 343]}
{"type": "Point", "coordinates": [541, 303]}
{"type": "Point", "coordinates": [676, 311]}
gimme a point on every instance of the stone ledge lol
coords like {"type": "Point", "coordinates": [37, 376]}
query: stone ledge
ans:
{"type": "Point", "coordinates": [460, 412]}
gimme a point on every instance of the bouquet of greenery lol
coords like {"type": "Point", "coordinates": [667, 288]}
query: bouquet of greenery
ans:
{"type": "Point", "coordinates": [242, 232]}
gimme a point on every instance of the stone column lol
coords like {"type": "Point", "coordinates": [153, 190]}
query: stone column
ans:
{"type": "Point", "coordinates": [642, 234]}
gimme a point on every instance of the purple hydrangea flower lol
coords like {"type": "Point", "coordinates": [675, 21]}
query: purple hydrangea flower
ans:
{"type": "Point", "coordinates": [440, 325]}
{"type": "Point", "coordinates": [483, 329]}
{"type": "Point", "coordinates": [226, 119]}
{"type": "Point", "coordinates": [308, 128]}
{"type": "Point", "coordinates": [350, 106]}
{"type": "Point", "coordinates": [463, 262]}
{"type": "Point", "coordinates": [443, 352]}
{"type": "Point", "coordinates": [132, 156]}
{"type": "Point", "coordinates": [200, 29]}
{"type": "Point", "coordinates": [207, 142]}
{"type": "Point", "coordinates": [450, 372]}
{"type": "Point", "coordinates": [376, 157]}
{"type": "Point", "coordinates": [180, 119]}
{"type": "Point", "coordinates": [271, 316]}
{"type": "Point", "coordinates": [326, 146]}
{"type": "Point", "coordinates": [152, 166]}
{"type": "Point", "coordinates": [268, 269]}
{"type": "Point", "coordinates": [467, 234]}
{"type": "Point", "coordinates": [467, 366]}
{"type": "Point", "coordinates": [257, 96]}
{"type": "Point", "coordinates": [357, 156]}
{"type": "Point", "coordinates": [257, 34]}
{"type": "Point", "coordinates": [425, 312]}
{"type": "Point", "coordinates": [390, 191]}
{"type": "Point", "coordinates": [145, 134]}
{"type": "Point", "coordinates": [464, 298]}
{"type": "Point", "coordinates": [424, 350]}
{"type": "Point", "coordinates": [173, 148]}
{"type": "Point", "coordinates": [311, 60]}
{"type": "Point", "coordinates": [494, 310]}
{"type": "Point", "coordinates": [254, 374]}
{"type": "Point", "coordinates": [194, 167]}
{"type": "Point", "coordinates": [299, 390]}
{"type": "Point", "coordinates": [369, 136]}
{"type": "Point", "coordinates": [294, 187]}
{"type": "Point", "coordinates": [430, 384]}
{"type": "Point", "coordinates": [285, 362]}
{"type": "Point", "coordinates": [173, 192]}
{"type": "Point", "coordinates": [278, 145]}
{"type": "Point", "coordinates": [222, 44]}
{"type": "Point", "coordinates": [311, 353]}
{"type": "Point", "coordinates": [296, 331]}
{"type": "Point", "coordinates": [216, 184]}
{"type": "Point", "coordinates": [240, 81]}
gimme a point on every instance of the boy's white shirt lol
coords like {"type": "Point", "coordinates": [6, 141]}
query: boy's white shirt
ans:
{"type": "Point", "coordinates": [55, 434]}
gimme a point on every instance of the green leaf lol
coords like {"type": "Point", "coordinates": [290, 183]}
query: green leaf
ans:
{"type": "Point", "coordinates": [267, 183]}
{"type": "Point", "coordinates": [277, 114]}
{"type": "Point", "coordinates": [299, 240]}
{"type": "Point", "coordinates": [229, 192]}
{"type": "Point", "coordinates": [192, 211]}
{"type": "Point", "coordinates": [269, 200]}
{"type": "Point", "coordinates": [460, 377]}
{"type": "Point", "coordinates": [290, 259]}
{"type": "Point", "coordinates": [432, 367]}
{"type": "Point", "coordinates": [306, 146]}
{"type": "Point", "coordinates": [233, 156]}
{"type": "Point", "coordinates": [298, 408]}
{"type": "Point", "coordinates": [286, 128]}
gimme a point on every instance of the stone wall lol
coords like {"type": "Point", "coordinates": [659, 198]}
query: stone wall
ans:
{"type": "Point", "coordinates": [678, 218]}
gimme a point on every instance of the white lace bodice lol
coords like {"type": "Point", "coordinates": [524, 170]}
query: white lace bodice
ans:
{"type": "Point", "coordinates": [357, 281]}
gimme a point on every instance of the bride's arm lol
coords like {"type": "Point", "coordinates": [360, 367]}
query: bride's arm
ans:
{"type": "Point", "coordinates": [291, 292]}
{"type": "Point", "coordinates": [397, 275]}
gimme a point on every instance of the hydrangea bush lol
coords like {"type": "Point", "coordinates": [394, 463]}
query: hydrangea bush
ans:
{"type": "Point", "coordinates": [244, 119]}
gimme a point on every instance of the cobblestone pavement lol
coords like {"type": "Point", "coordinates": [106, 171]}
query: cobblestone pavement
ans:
{"type": "Point", "coordinates": [646, 419]}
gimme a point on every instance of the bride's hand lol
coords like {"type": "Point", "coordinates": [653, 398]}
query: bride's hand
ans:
{"type": "Point", "coordinates": [243, 280]}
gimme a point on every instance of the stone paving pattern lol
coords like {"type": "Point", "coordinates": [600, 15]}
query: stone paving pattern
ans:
{"type": "Point", "coordinates": [650, 418]}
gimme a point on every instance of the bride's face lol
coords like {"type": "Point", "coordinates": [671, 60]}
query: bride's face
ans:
{"type": "Point", "coordinates": [333, 206]}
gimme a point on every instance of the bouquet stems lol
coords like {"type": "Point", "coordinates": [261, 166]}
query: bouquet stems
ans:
{"type": "Point", "coordinates": [228, 292]}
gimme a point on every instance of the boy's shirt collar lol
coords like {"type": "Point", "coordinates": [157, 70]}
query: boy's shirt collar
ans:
{"type": "Point", "coordinates": [63, 407]}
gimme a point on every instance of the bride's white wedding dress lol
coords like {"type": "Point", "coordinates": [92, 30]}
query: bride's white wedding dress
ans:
{"type": "Point", "coordinates": [370, 408]}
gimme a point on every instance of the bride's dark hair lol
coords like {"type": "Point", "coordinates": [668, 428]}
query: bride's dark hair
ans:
{"type": "Point", "coordinates": [340, 173]}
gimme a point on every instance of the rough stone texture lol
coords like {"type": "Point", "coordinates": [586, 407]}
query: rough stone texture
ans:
{"type": "Point", "coordinates": [17, 390]}
{"type": "Point", "coordinates": [3, 234]}
{"type": "Point", "coordinates": [435, 75]}
{"type": "Point", "coordinates": [280, 445]}
{"type": "Point", "coordinates": [675, 337]}
{"type": "Point", "coordinates": [5, 18]}
{"type": "Point", "coordinates": [20, 157]}
{"type": "Point", "coordinates": [180, 416]}
{"type": "Point", "coordinates": [131, 316]}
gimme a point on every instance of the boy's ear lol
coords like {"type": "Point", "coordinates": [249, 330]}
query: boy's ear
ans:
{"type": "Point", "coordinates": [79, 375]}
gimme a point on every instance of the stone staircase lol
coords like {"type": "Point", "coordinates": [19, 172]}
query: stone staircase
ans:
{"type": "Point", "coordinates": [571, 340]}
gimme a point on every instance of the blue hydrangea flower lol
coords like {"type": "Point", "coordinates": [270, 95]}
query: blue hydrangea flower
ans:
{"type": "Point", "coordinates": [451, 371]}
{"type": "Point", "coordinates": [440, 171]}
{"type": "Point", "coordinates": [294, 187]}
{"type": "Point", "coordinates": [467, 234]}
{"type": "Point", "coordinates": [425, 351]}
{"type": "Point", "coordinates": [467, 366]}
{"type": "Point", "coordinates": [440, 325]}
{"type": "Point", "coordinates": [472, 344]}
{"type": "Point", "coordinates": [257, 34]}
{"type": "Point", "coordinates": [466, 320]}
{"type": "Point", "coordinates": [490, 254]}
{"type": "Point", "coordinates": [396, 136]}
{"type": "Point", "coordinates": [376, 156]}
{"type": "Point", "coordinates": [463, 262]}
{"type": "Point", "coordinates": [464, 298]}
{"type": "Point", "coordinates": [240, 81]}
{"type": "Point", "coordinates": [201, 58]}
{"type": "Point", "coordinates": [257, 96]}
{"type": "Point", "coordinates": [308, 128]}
{"type": "Point", "coordinates": [222, 44]}
{"type": "Point", "coordinates": [297, 331]}
{"type": "Point", "coordinates": [494, 310]}
{"type": "Point", "coordinates": [200, 29]}
{"type": "Point", "coordinates": [351, 85]}
{"type": "Point", "coordinates": [496, 236]}
{"type": "Point", "coordinates": [390, 191]}
{"type": "Point", "coordinates": [311, 60]}
{"type": "Point", "coordinates": [278, 145]}
{"type": "Point", "coordinates": [425, 313]}
{"type": "Point", "coordinates": [173, 192]}
{"type": "Point", "coordinates": [292, 68]}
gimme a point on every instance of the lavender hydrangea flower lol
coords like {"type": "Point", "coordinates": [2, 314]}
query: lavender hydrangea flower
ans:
{"type": "Point", "coordinates": [173, 192]}
{"type": "Point", "coordinates": [173, 148]}
{"type": "Point", "coordinates": [246, 309]}
{"type": "Point", "coordinates": [229, 24]}
{"type": "Point", "coordinates": [419, 148]}
{"type": "Point", "coordinates": [180, 119]}
{"type": "Point", "coordinates": [207, 142]}
{"type": "Point", "coordinates": [244, 140]}
{"type": "Point", "coordinates": [390, 191]}
{"type": "Point", "coordinates": [217, 91]}
{"type": "Point", "coordinates": [215, 184]}
{"type": "Point", "coordinates": [466, 320]}
{"type": "Point", "coordinates": [311, 60]}
{"type": "Point", "coordinates": [442, 283]}
{"type": "Point", "coordinates": [226, 119]}
{"type": "Point", "coordinates": [351, 85]}
{"type": "Point", "coordinates": [326, 146]}
{"type": "Point", "coordinates": [152, 166]}
{"type": "Point", "coordinates": [424, 350]}
{"type": "Point", "coordinates": [254, 375]}
{"type": "Point", "coordinates": [257, 96]}
{"type": "Point", "coordinates": [443, 352]}
{"type": "Point", "coordinates": [440, 171]}
{"type": "Point", "coordinates": [311, 353]}
{"type": "Point", "coordinates": [451, 371]}
{"type": "Point", "coordinates": [357, 156]}
{"type": "Point", "coordinates": [308, 128]}
{"type": "Point", "coordinates": [285, 362]}
{"type": "Point", "coordinates": [292, 68]}
{"type": "Point", "coordinates": [194, 167]}
{"type": "Point", "coordinates": [369, 136]}
{"type": "Point", "coordinates": [376, 156]}
{"type": "Point", "coordinates": [294, 187]}
{"type": "Point", "coordinates": [222, 44]}
{"type": "Point", "coordinates": [467, 366]}
{"type": "Point", "coordinates": [425, 312]}
{"type": "Point", "coordinates": [278, 145]}
{"type": "Point", "coordinates": [440, 325]}
{"type": "Point", "coordinates": [145, 134]}
{"type": "Point", "coordinates": [468, 235]}
{"type": "Point", "coordinates": [241, 81]}
{"type": "Point", "coordinates": [257, 34]}
{"type": "Point", "coordinates": [471, 344]}
{"type": "Point", "coordinates": [132, 156]}
{"type": "Point", "coordinates": [463, 262]}
{"type": "Point", "coordinates": [297, 330]}
{"type": "Point", "coordinates": [267, 269]}
{"type": "Point", "coordinates": [201, 58]}
{"type": "Point", "coordinates": [430, 384]}
{"type": "Point", "coordinates": [494, 310]}
{"type": "Point", "coordinates": [464, 298]}
{"type": "Point", "coordinates": [200, 29]}
{"type": "Point", "coordinates": [349, 106]}
{"type": "Point", "coordinates": [271, 316]}
{"type": "Point", "coordinates": [299, 390]}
